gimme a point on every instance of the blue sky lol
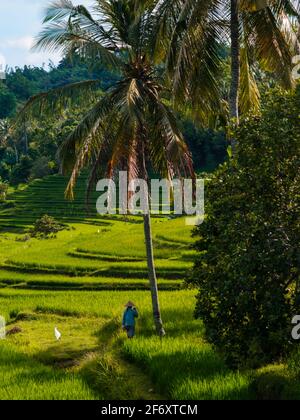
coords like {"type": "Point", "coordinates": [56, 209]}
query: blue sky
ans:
{"type": "Point", "coordinates": [20, 22]}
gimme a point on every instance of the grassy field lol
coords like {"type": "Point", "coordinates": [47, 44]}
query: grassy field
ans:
{"type": "Point", "coordinates": [95, 253]}
{"type": "Point", "coordinates": [69, 260]}
{"type": "Point", "coordinates": [93, 349]}
{"type": "Point", "coordinates": [79, 283]}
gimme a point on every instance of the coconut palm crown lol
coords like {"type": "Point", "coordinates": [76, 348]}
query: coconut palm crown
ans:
{"type": "Point", "coordinates": [260, 33]}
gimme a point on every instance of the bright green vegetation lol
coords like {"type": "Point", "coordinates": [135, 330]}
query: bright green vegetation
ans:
{"type": "Point", "coordinates": [246, 271]}
{"type": "Point", "coordinates": [94, 253]}
{"type": "Point", "coordinates": [94, 360]}
{"type": "Point", "coordinates": [25, 379]}
{"type": "Point", "coordinates": [41, 197]}
{"type": "Point", "coordinates": [251, 275]}
{"type": "Point", "coordinates": [45, 134]}
{"type": "Point", "coordinates": [79, 282]}
{"type": "Point", "coordinates": [93, 356]}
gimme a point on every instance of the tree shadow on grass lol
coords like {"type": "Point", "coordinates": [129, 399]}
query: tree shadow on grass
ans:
{"type": "Point", "coordinates": [177, 323]}
{"type": "Point", "coordinates": [190, 373]}
{"type": "Point", "coordinates": [183, 364]}
{"type": "Point", "coordinates": [23, 377]}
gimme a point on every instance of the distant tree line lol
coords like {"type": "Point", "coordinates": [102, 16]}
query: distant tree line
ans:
{"type": "Point", "coordinates": [31, 153]}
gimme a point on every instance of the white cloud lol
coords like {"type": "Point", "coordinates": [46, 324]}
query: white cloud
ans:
{"type": "Point", "coordinates": [23, 43]}
{"type": "Point", "coordinates": [20, 23]}
{"type": "Point", "coordinates": [38, 59]}
{"type": "Point", "coordinates": [2, 62]}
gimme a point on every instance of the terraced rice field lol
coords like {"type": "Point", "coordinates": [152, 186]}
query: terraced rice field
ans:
{"type": "Point", "coordinates": [95, 253]}
{"type": "Point", "coordinates": [79, 282]}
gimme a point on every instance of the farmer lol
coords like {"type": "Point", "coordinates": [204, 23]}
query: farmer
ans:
{"type": "Point", "coordinates": [129, 316]}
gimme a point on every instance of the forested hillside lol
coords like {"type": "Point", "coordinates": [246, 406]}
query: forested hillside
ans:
{"type": "Point", "coordinates": [30, 153]}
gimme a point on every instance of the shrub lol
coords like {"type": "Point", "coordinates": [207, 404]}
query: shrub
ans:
{"type": "Point", "coordinates": [46, 227]}
{"type": "Point", "coordinates": [247, 267]}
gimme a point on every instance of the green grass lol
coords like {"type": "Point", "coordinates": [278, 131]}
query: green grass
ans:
{"type": "Point", "coordinates": [96, 355]}
{"type": "Point", "coordinates": [23, 378]}
{"type": "Point", "coordinates": [87, 256]}
{"type": "Point", "coordinates": [182, 366]}
{"type": "Point", "coordinates": [79, 282]}
{"type": "Point", "coordinates": [188, 368]}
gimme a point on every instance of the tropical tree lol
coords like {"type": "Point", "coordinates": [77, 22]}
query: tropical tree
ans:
{"type": "Point", "coordinates": [7, 139]}
{"type": "Point", "coordinates": [247, 267]}
{"type": "Point", "coordinates": [190, 33]}
{"type": "Point", "coordinates": [8, 102]}
{"type": "Point", "coordinates": [129, 127]}
{"type": "Point", "coordinates": [4, 127]}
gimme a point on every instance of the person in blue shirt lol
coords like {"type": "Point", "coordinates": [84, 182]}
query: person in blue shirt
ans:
{"type": "Point", "coordinates": [130, 314]}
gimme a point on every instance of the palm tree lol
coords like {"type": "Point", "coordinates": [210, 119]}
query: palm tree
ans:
{"type": "Point", "coordinates": [7, 138]}
{"type": "Point", "coordinates": [129, 127]}
{"type": "Point", "coordinates": [189, 34]}
{"type": "Point", "coordinates": [4, 129]}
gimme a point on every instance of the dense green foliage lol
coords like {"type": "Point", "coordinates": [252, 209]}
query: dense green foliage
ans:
{"type": "Point", "coordinates": [29, 81]}
{"type": "Point", "coordinates": [207, 146]}
{"type": "Point", "coordinates": [107, 256]}
{"type": "Point", "coordinates": [246, 254]}
{"type": "Point", "coordinates": [39, 139]}
{"type": "Point", "coordinates": [21, 171]}
{"type": "Point", "coordinates": [248, 264]}
{"type": "Point", "coordinates": [30, 152]}
{"type": "Point", "coordinates": [7, 102]}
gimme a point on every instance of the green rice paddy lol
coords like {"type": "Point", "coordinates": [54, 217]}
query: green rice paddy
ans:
{"type": "Point", "coordinates": [79, 283]}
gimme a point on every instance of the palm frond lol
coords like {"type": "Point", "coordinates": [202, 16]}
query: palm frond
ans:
{"type": "Point", "coordinates": [270, 45]}
{"type": "Point", "coordinates": [249, 98]}
{"type": "Point", "coordinates": [130, 127]}
{"type": "Point", "coordinates": [58, 99]}
{"type": "Point", "coordinates": [253, 5]}
{"type": "Point", "coordinates": [71, 30]}
{"type": "Point", "coordinates": [58, 10]}
{"type": "Point", "coordinates": [290, 8]}
{"type": "Point", "coordinates": [197, 66]}
{"type": "Point", "coordinates": [169, 153]}
{"type": "Point", "coordinates": [76, 149]}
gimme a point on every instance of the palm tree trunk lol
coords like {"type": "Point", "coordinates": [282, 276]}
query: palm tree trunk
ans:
{"type": "Point", "coordinates": [235, 62]}
{"type": "Point", "coordinates": [152, 275]}
{"type": "Point", "coordinates": [149, 251]}
{"type": "Point", "coordinates": [298, 279]}
{"type": "Point", "coordinates": [25, 138]}
{"type": "Point", "coordinates": [16, 153]}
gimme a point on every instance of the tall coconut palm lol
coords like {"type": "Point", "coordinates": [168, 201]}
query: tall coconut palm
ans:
{"type": "Point", "coordinates": [189, 34]}
{"type": "Point", "coordinates": [129, 127]}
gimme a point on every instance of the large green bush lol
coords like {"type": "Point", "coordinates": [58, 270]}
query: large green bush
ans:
{"type": "Point", "coordinates": [248, 262]}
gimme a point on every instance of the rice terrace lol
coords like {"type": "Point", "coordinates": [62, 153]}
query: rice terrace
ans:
{"type": "Point", "coordinates": [146, 305]}
{"type": "Point", "coordinates": [79, 281]}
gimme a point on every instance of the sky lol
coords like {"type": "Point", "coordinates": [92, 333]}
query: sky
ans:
{"type": "Point", "coordinates": [20, 22]}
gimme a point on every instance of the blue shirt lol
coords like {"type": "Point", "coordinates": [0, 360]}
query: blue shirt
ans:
{"type": "Point", "coordinates": [129, 317]}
